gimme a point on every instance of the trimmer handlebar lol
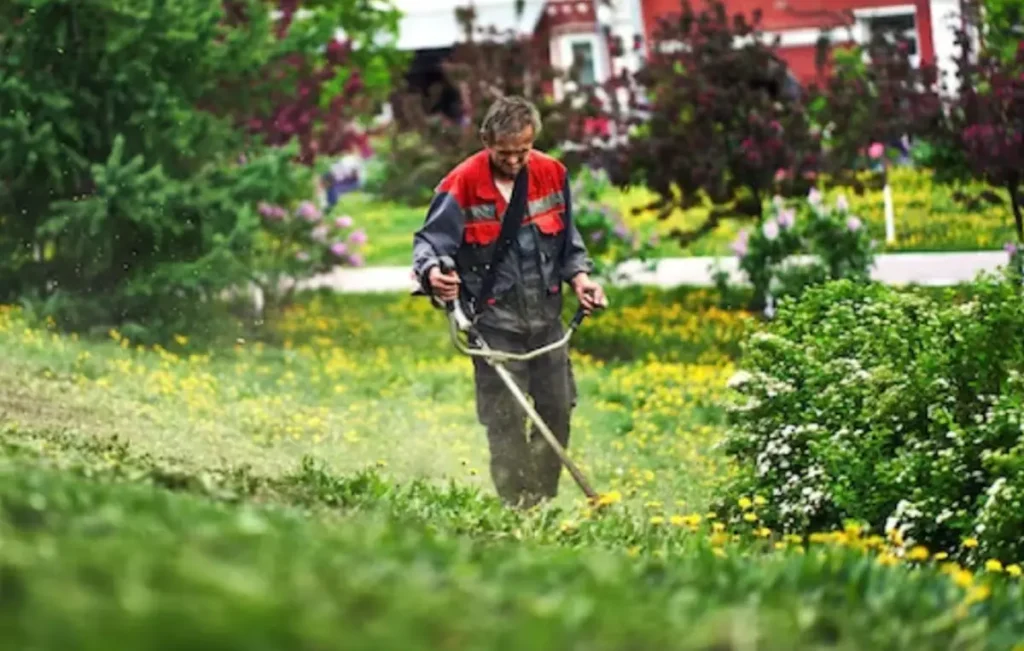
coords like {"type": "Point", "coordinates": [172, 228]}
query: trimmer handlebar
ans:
{"type": "Point", "coordinates": [459, 322]}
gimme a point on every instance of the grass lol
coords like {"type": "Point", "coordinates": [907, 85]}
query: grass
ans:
{"type": "Point", "coordinates": [327, 488]}
{"type": "Point", "coordinates": [927, 219]}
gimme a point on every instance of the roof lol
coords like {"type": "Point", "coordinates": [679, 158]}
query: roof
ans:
{"type": "Point", "coordinates": [430, 24]}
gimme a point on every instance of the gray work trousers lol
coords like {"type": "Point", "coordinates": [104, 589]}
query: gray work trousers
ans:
{"type": "Point", "coordinates": [524, 468]}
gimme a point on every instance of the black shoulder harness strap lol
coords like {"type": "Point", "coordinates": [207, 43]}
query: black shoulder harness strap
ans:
{"type": "Point", "coordinates": [513, 217]}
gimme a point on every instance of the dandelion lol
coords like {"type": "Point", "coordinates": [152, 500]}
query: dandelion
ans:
{"type": "Point", "coordinates": [657, 519]}
{"type": "Point", "coordinates": [978, 593]}
{"type": "Point", "coordinates": [1013, 570]}
{"type": "Point", "coordinates": [970, 543]}
{"type": "Point", "coordinates": [993, 565]}
{"type": "Point", "coordinates": [607, 499]}
{"type": "Point", "coordinates": [918, 553]}
{"type": "Point", "coordinates": [745, 503]}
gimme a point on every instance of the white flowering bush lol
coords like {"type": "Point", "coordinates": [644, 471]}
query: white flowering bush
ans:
{"type": "Point", "coordinates": [800, 246]}
{"type": "Point", "coordinates": [891, 408]}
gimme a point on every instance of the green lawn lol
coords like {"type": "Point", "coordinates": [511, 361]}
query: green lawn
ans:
{"type": "Point", "coordinates": [927, 218]}
{"type": "Point", "coordinates": [327, 488]}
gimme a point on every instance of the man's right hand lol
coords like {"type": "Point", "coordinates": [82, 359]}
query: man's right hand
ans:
{"type": "Point", "coordinates": [445, 286]}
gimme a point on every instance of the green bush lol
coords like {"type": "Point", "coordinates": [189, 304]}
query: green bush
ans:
{"type": "Point", "coordinates": [124, 201]}
{"type": "Point", "coordinates": [894, 408]}
{"type": "Point", "coordinates": [833, 242]}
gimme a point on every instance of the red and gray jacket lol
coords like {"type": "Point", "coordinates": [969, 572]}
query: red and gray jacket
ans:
{"type": "Point", "coordinates": [464, 221]}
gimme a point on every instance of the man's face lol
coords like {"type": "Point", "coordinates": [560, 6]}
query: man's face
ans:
{"type": "Point", "coordinates": [509, 153]}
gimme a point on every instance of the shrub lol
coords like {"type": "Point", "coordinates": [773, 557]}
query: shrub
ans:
{"type": "Point", "coordinates": [888, 407]}
{"type": "Point", "coordinates": [297, 238]}
{"type": "Point", "coordinates": [609, 241]}
{"type": "Point", "coordinates": [835, 242]}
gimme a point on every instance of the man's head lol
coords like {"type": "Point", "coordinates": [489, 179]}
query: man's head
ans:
{"type": "Point", "coordinates": [508, 132]}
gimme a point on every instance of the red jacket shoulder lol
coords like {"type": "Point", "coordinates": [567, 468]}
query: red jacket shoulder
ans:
{"type": "Point", "coordinates": [454, 181]}
{"type": "Point", "coordinates": [548, 168]}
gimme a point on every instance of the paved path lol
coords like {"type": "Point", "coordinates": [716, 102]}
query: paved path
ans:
{"type": "Point", "coordinates": [891, 268]}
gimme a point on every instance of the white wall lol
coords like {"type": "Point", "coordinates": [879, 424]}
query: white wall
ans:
{"type": "Point", "coordinates": [945, 16]}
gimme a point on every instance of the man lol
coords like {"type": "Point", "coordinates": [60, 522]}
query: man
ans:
{"type": "Point", "coordinates": [523, 308]}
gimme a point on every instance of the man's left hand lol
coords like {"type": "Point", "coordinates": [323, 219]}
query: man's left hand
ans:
{"type": "Point", "coordinates": [589, 293]}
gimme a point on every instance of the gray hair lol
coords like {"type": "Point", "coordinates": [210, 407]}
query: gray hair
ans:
{"type": "Point", "coordinates": [509, 115]}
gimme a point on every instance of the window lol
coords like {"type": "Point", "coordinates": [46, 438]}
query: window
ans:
{"type": "Point", "coordinates": [895, 27]}
{"type": "Point", "coordinates": [583, 61]}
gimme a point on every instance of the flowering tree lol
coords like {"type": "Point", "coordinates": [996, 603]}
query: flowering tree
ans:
{"type": "Point", "coordinates": [720, 119]}
{"type": "Point", "coordinates": [317, 100]}
{"type": "Point", "coordinates": [982, 133]}
{"type": "Point", "coordinates": [872, 97]}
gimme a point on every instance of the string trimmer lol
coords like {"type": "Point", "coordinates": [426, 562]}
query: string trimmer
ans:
{"type": "Point", "coordinates": [459, 323]}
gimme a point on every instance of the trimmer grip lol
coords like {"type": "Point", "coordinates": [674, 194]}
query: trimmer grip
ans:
{"type": "Point", "coordinates": [447, 266]}
{"type": "Point", "coordinates": [577, 319]}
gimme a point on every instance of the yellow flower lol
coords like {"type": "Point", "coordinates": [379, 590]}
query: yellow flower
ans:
{"type": "Point", "coordinates": [978, 593]}
{"type": "Point", "coordinates": [993, 565]}
{"type": "Point", "coordinates": [760, 501]}
{"type": "Point", "coordinates": [607, 499]}
{"type": "Point", "coordinates": [918, 553]}
{"type": "Point", "coordinates": [719, 552]}
{"type": "Point", "coordinates": [887, 559]}
{"type": "Point", "coordinates": [718, 527]}
{"type": "Point", "coordinates": [970, 543]}
{"type": "Point", "coordinates": [657, 520]}
{"type": "Point", "coordinates": [750, 517]}
{"type": "Point", "coordinates": [677, 521]}
{"type": "Point", "coordinates": [941, 556]}
{"type": "Point", "coordinates": [1013, 570]}
{"type": "Point", "coordinates": [963, 578]}
{"type": "Point", "coordinates": [745, 503]}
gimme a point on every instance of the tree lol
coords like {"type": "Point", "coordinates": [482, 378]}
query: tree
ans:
{"type": "Point", "coordinates": [873, 96]}
{"type": "Point", "coordinates": [123, 201]}
{"type": "Point", "coordinates": [981, 134]}
{"type": "Point", "coordinates": [315, 95]}
{"type": "Point", "coordinates": [1003, 22]}
{"type": "Point", "coordinates": [721, 119]}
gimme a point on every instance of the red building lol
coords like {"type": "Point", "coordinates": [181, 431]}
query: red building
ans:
{"type": "Point", "coordinates": [799, 23]}
{"type": "Point", "coordinates": [608, 39]}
